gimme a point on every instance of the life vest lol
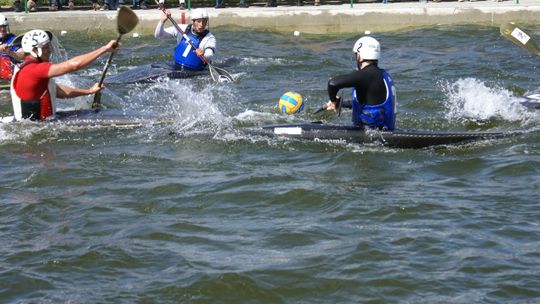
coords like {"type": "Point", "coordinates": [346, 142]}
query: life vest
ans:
{"type": "Point", "coordinates": [6, 65]}
{"type": "Point", "coordinates": [33, 109]}
{"type": "Point", "coordinates": [185, 55]}
{"type": "Point", "coordinates": [381, 116]}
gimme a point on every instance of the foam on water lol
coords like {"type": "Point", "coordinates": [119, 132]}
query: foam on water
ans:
{"type": "Point", "coordinates": [4, 134]}
{"type": "Point", "coordinates": [473, 99]}
{"type": "Point", "coordinates": [253, 61]}
{"type": "Point", "coordinates": [257, 117]}
{"type": "Point", "coordinates": [19, 132]}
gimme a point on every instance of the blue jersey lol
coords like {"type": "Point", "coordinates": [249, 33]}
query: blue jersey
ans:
{"type": "Point", "coordinates": [380, 116]}
{"type": "Point", "coordinates": [6, 66]}
{"type": "Point", "coordinates": [184, 54]}
{"type": "Point", "coordinates": [9, 39]}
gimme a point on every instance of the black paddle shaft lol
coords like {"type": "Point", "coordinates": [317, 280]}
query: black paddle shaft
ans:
{"type": "Point", "coordinates": [126, 21]}
{"type": "Point", "coordinates": [96, 103]}
{"type": "Point", "coordinates": [106, 67]}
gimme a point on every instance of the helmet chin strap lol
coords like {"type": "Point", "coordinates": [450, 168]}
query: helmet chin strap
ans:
{"type": "Point", "coordinates": [38, 55]}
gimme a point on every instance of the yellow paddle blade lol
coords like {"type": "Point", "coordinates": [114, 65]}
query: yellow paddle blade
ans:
{"type": "Point", "coordinates": [518, 36]}
{"type": "Point", "coordinates": [127, 20]}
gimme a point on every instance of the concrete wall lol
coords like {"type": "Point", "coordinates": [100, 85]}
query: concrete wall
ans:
{"type": "Point", "coordinates": [307, 19]}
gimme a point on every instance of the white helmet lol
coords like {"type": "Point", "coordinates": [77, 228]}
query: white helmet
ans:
{"type": "Point", "coordinates": [199, 13]}
{"type": "Point", "coordinates": [3, 20]}
{"type": "Point", "coordinates": [35, 39]}
{"type": "Point", "coordinates": [368, 47]}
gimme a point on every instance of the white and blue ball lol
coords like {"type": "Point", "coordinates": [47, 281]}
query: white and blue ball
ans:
{"type": "Point", "coordinates": [291, 103]}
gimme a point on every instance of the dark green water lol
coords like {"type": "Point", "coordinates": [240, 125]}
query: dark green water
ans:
{"type": "Point", "coordinates": [216, 216]}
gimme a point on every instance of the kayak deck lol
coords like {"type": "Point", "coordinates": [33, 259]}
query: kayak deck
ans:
{"type": "Point", "coordinates": [150, 72]}
{"type": "Point", "coordinates": [408, 139]}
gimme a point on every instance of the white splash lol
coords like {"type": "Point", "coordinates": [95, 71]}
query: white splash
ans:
{"type": "Point", "coordinates": [192, 108]}
{"type": "Point", "coordinates": [4, 135]}
{"type": "Point", "coordinates": [263, 60]}
{"type": "Point", "coordinates": [470, 98]}
{"type": "Point", "coordinates": [255, 116]}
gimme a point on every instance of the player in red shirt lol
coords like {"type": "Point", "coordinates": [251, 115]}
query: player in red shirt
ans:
{"type": "Point", "coordinates": [33, 89]}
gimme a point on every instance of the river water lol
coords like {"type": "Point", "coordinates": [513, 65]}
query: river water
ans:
{"type": "Point", "coordinates": [212, 215]}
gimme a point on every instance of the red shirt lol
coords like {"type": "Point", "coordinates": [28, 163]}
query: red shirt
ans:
{"type": "Point", "coordinates": [32, 82]}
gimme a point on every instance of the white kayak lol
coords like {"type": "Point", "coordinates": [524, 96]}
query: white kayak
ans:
{"type": "Point", "coordinates": [531, 101]}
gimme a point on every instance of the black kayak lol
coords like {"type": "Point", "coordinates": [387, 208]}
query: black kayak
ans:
{"type": "Point", "coordinates": [108, 118]}
{"type": "Point", "coordinates": [407, 139]}
{"type": "Point", "coordinates": [150, 72]}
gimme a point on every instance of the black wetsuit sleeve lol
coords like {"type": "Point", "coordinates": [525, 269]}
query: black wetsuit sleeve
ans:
{"type": "Point", "coordinates": [339, 82]}
{"type": "Point", "coordinates": [368, 83]}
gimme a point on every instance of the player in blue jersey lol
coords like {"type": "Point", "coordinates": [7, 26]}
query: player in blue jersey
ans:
{"type": "Point", "coordinates": [197, 32]}
{"type": "Point", "coordinates": [8, 53]}
{"type": "Point", "coordinates": [373, 93]}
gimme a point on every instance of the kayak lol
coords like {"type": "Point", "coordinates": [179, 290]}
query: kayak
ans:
{"type": "Point", "coordinates": [400, 138]}
{"type": "Point", "coordinates": [531, 101]}
{"type": "Point", "coordinates": [92, 119]}
{"type": "Point", "coordinates": [150, 72]}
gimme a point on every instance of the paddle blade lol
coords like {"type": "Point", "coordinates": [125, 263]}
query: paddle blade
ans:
{"type": "Point", "coordinates": [513, 33]}
{"type": "Point", "coordinates": [220, 75]}
{"type": "Point", "coordinates": [127, 20]}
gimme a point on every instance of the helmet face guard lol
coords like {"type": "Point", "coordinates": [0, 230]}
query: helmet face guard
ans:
{"type": "Point", "coordinates": [35, 39]}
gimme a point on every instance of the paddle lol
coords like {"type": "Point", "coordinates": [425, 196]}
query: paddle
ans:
{"type": "Point", "coordinates": [513, 33]}
{"type": "Point", "coordinates": [323, 107]}
{"type": "Point", "coordinates": [320, 109]}
{"type": "Point", "coordinates": [126, 21]}
{"type": "Point", "coordinates": [217, 74]}
{"type": "Point", "coordinates": [17, 41]}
